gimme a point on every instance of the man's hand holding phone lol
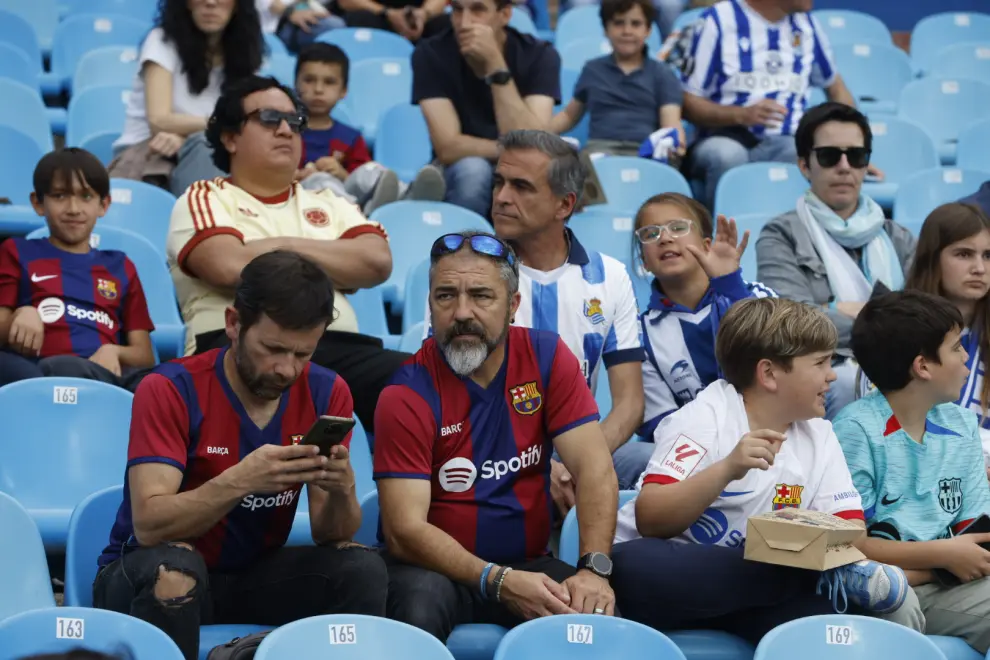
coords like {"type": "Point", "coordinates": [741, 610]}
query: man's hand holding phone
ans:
{"type": "Point", "coordinates": [275, 468]}
{"type": "Point", "coordinates": [338, 475]}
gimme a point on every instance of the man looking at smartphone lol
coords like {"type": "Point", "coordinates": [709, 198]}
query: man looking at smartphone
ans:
{"type": "Point", "coordinates": [215, 468]}
{"type": "Point", "coordinates": [466, 430]}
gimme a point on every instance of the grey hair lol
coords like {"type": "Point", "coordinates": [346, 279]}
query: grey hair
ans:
{"type": "Point", "coordinates": [566, 174]}
{"type": "Point", "coordinates": [505, 270]}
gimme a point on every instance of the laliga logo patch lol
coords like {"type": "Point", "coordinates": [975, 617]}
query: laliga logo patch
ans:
{"type": "Point", "coordinates": [526, 398]}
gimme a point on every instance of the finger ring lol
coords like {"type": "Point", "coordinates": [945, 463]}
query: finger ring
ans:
{"type": "Point", "coordinates": [599, 610]}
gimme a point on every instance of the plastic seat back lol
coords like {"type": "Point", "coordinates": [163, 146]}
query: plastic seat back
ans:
{"type": "Point", "coordinates": [27, 584]}
{"type": "Point", "coordinates": [585, 637]}
{"type": "Point", "coordinates": [845, 637]}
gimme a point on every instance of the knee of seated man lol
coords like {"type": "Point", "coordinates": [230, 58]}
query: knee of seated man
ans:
{"type": "Point", "coordinates": [363, 566]}
{"type": "Point", "coordinates": [178, 575]}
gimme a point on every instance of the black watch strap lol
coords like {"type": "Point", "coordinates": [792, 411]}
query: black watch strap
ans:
{"type": "Point", "coordinates": [500, 77]}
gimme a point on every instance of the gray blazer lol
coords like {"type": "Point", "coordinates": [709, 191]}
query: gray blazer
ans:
{"type": "Point", "coordinates": [788, 263]}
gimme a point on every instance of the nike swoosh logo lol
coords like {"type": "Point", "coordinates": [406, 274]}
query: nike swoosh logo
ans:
{"type": "Point", "coordinates": [41, 278]}
{"type": "Point", "coordinates": [887, 501]}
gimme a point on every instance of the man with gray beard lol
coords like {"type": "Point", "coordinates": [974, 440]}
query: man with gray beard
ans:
{"type": "Point", "coordinates": [465, 432]}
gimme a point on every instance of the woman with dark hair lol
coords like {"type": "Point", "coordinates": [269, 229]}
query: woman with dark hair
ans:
{"type": "Point", "coordinates": [952, 260]}
{"type": "Point", "coordinates": [195, 48]}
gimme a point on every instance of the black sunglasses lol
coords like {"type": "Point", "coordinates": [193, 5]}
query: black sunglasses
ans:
{"type": "Point", "coordinates": [273, 119]}
{"type": "Point", "coordinates": [481, 243]}
{"type": "Point", "coordinates": [858, 157]}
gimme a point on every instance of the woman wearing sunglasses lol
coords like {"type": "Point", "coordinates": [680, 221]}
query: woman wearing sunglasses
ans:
{"type": "Point", "coordinates": [696, 279]}
{"type": "Point", "coordinates": [836, 246]}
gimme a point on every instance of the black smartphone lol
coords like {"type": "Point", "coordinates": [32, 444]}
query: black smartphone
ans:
{"type": "Point", "coordinates": [979, 526]}
{"type": "Point", "coordinates": [327, 432]}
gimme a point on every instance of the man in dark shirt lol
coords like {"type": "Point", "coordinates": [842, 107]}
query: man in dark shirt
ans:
{"type": "Point", "coordinates": [476, 82]}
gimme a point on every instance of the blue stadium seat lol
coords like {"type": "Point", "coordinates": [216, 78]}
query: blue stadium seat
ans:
{"type": "Point", "coordinates": [402, 140]}
{"type": "Point", "coordinates": [23, 109]}
{"type": "Point", "coordinates": [844, 26]}
{"type": "Point", "coordinates": [57, 630]}
{"type": "Point", "coordinates": [89, 530]}
{"type": "Point", "coordinates": [944, 107]}
{"type": "Point", "coordinates": [370, 311]}
{"type": "Point", "coordinates": [41, 15]}
{"type": "Point", "coordinates": [96, 109]}
{"type": "Point", "coordinates": [765, 188]}
{"type": "Point", "coordinates": [170, 332]}
{"type": "Point", "coordinates": [642, 280]}
{"type": "Point", "coordinates": [974, 147]}
{"type": "Point", "coordinates": [752, 222]}
{"type": "Point", "coordinates": [415, 226]}
{"type": "Point", "coordinates": [845, 637]}
{"type": "Point", "coordinates": [575, 53]}
{"type": "Point", "coordinates": [16, 31]}
{"type": "Point", "coordinates": [900, 148]}
{"type": "Point", "coordinates": [711, 645]}
{"type": "Point", "coordinates": [955, 648]}
{"type": "Point", "coordinates": [100, 145]}
{"type": "Point", "coordinates": [629, 181]}
{"type": "Point", "coordinates": [376, 84]}
{"type": "Point", "coordinates": [73, 440]}
{"type": "Point", "coordinates": [569, 537]}
{"type": "Point", "coordinates": [568, 79]}
{"type": "Point", "coordinates": [582, 22]}
{"type": "Point", "coordinates": [108, 66]}
{"type": "Point", "coordinates": [585, 636]}
{"type": "Point", "coordinates": [475, 641]}
{"type": "Point", "coordinates": [368, 43]}
{"type": "Point", "coordinates": [139, 10]}
{"type": "Point", "coordinates": [417, 294]}
{"type": "Point", "coordinates": [875, 74]}
{"type": "Point", "coordinates": [81, 33]}
{"type": "Point", "coordinates": [141, 208]}
{"type": "Point", "coordinates": [687, 17]}
{"type": "Point", "coordinates": [19, 152]}
{"type": "Point", "coordinates": [605, 229]}
{"type": "Point", "coordinates": [920, 193]}
{"type": "Point", "coordinates": [281, 66]}
{"type": "Point", "coordinates": [27, 584]}
{"type": "Point", "coordinates": [17, 66]}
{"type": "Point", "coordinates": [937, 31]}
{"type": "Point", "coordinates": [522, 22]}
{"type": "Point", "coordinates": [367, 534]}
{"type": "Point", "coordinates": [351, 637]}
{"type": "Point", "coordinates": [412, 337]}
{"type": "Point", "coordinates": [275, 45]}
{"type": "Point", "coordinates": [971, 60]}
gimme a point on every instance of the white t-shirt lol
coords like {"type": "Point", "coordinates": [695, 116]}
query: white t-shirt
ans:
{"type": "Point", "coordinates": [155, 49]}
{"type": "Point", "coordinates": [808, 472]}
{"type": "Point", "coordinates": [269, 20]}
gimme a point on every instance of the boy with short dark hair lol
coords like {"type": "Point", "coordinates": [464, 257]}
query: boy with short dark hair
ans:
{"type": "Point", "coordinates": [917, 461]}
{"type": "Point", "coordinates": [749, 443]}
{"type": "Point", "coordinates": [629, 94]}
{"type": "Point", "coordinates": [335, 155]}
{"type": "Point", "coordinates": [67, 309]}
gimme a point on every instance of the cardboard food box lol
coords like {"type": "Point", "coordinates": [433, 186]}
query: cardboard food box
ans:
{"type": "Point", "coordinates": [802, 539]}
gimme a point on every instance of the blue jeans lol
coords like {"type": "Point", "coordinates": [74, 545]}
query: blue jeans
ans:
{"type": "Point", "coordinates": [15, 367]}
{"type": "Point", "coordinates": [630, 460]}
{"type": "Point", "coordinates": [295, 39]}
{"type": "Point", "coordinates": [469, 184]}
{"type": "Point", "coordinates": [716, 155]}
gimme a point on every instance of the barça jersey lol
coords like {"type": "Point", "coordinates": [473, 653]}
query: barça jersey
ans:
{"type": "Point", "coordinates": [914, 491]}
{"type": "Point", "coordinates": [186, 415]}
{"type": "Point", "coordinates": [84, 300]}
{"type": "Point", "coordinates": [485, 451]}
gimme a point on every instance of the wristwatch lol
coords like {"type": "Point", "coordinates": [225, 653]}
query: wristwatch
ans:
{"type": "Point", "coordinates": [598, 563]}
{"type": "Point", "coordinates": [500, 77]}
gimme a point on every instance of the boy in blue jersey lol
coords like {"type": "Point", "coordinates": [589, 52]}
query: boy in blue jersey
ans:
{"type": "Point", "coordinates": [66, 308]}
{"type": "Point", "coordinates": [917, 462]}
{"type": "Point", "coordinates": [335, 155]}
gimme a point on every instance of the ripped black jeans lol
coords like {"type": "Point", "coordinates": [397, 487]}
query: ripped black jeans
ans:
{"type": "Point", "coordinates": [287, 585]}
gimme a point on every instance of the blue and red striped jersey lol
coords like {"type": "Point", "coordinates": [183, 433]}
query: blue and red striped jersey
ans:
{"type": "Point", "coordinates": [340, 140]}
{"type": "Point", "coordinates": [186, 415]}
{"type": "Point", "coordinates": [485, 451]}
{"type": "Point", "coordinates": [84, 300]}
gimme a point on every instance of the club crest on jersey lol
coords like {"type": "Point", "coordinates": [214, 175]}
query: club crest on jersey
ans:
{"type": "Point", "coordinates": [526, 398]}
{"type": "Point", "coordinates": [950, 495]}
{"type": "Point", "coordinates": [316, 217]}
{"type": "Point", "coordinates": [593, 311]}
{"type": "Point", "coordinates": [106, 288]}
{"type": "Point", "coordinates": [787, 496]}
{"type": "Point", "coordinates": [296, 439]}
{"type": "Point", "coordinates": [796, 40]}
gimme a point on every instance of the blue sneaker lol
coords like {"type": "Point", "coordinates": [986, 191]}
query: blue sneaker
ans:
{"type": "Point", "coordinates": [873, 586]}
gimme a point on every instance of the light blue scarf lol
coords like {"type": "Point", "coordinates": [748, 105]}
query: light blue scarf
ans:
{"type": "Point", "coordinates": [864, 231]}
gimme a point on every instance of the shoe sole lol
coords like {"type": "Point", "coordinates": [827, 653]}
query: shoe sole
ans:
{"type": "Point", "coordinates": [902, 586]}
{"type": "Point", "coordinates": [386, 192]}
{"type": "Point", "coordinates": [428, 186]}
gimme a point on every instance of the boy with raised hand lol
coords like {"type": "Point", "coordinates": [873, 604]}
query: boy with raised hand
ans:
{"type": "Point", "coordinates": [66, 308]}
{"type": "Point", "coordinates": [917, 461]}
{"type": "Point", "coordinates": [749, 443]}
{"type": "Point", "coordinates": [335, 155]}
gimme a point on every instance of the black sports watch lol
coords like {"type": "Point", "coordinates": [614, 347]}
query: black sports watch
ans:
{"type": "Point", "coordinates": [500, 77]}
{"type": "Point", "coordinates": [598, 563]}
